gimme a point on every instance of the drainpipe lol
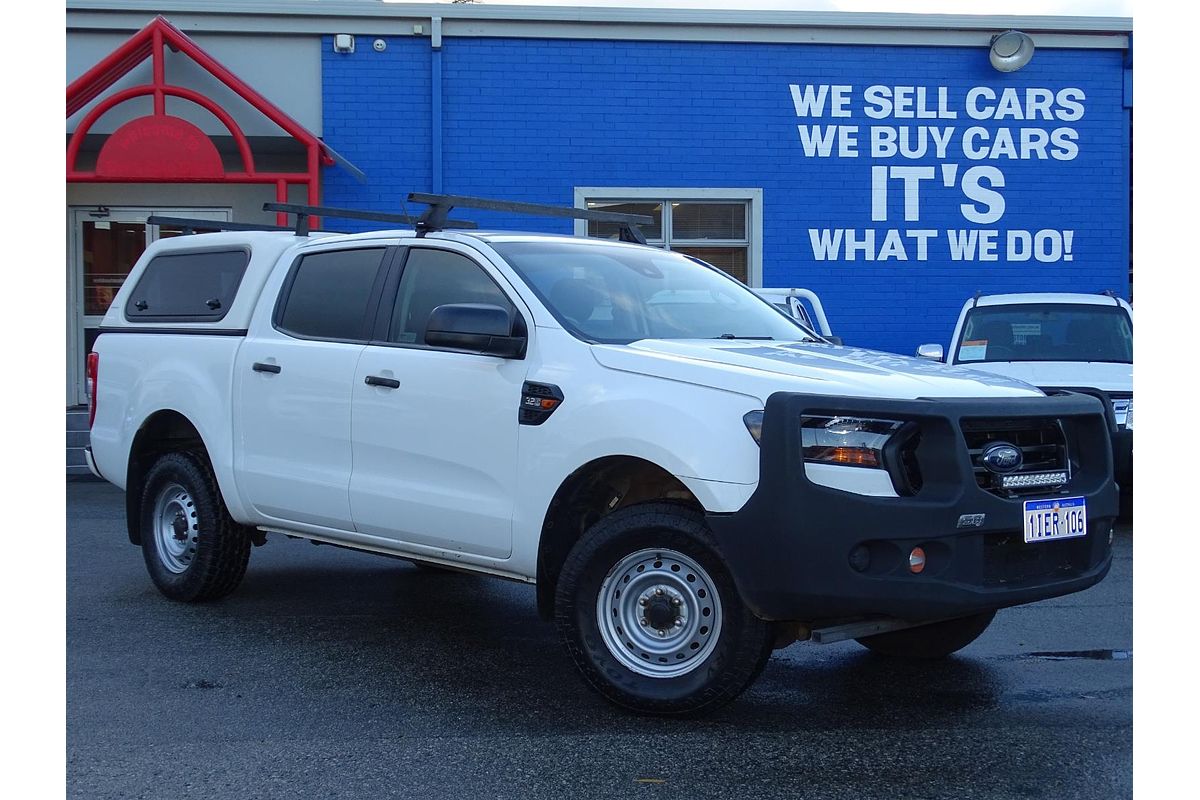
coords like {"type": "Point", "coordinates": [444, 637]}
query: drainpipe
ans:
{"type": "Point", "coordinates": [435, 41]}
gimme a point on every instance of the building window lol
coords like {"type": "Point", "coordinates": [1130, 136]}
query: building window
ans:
{"type": "Point", "coordinates": [720, 226]}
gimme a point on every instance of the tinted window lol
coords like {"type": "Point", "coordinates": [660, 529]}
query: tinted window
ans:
{"type": "Point", "coordinates": [188, 286]}
{"type": "Point", "coordinates": [434, 278]}
{"type": "Point", "coordinates": [1047, 332]}
{"type": "Point", "coordinates": [330, 293]}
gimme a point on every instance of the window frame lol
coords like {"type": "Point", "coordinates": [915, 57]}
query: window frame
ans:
{"type": "Point", "coordinates": [217, 316]}
{"type": "Point", "coordinates": [377, 286]}
{"type": "Point", "coordinates": [390, 294]}
{"type": "Point", "coordinates": [752, 197]}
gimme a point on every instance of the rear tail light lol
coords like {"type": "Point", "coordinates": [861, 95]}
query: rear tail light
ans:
{"type": "Point", "coordinates": [93, 369]}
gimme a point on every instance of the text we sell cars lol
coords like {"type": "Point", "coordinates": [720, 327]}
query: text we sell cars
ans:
{"type": "Point", "coordinates": [832, 129]}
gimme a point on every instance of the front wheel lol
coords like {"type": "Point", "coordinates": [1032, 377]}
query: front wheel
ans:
{"type": "Point", "coordinates": [651, 617]}
{"type": "Point", "coordinates": [930, 641]}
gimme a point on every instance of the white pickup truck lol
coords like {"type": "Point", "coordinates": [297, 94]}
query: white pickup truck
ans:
{"type": "Point", "coordinates": [1054, 340]}
{"type": "Point", "coordinates": [802, 305]}
{"type": "Point", "coordinates": [689, 477]}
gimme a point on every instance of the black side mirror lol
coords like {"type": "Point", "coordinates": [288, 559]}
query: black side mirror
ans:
{"type": "Point", "coordinates": [476, 327]}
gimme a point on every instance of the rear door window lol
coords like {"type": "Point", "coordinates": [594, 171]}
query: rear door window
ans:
{"type": "Point", "coordinates": [188, 287]}
{"type": "Point", "coordinates": [331, 294]}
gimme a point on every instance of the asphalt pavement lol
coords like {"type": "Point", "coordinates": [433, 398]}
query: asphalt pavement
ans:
{"type": "Point", "coordinates": [336, 674]}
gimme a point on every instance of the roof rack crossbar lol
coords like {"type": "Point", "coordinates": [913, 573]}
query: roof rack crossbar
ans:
{"type": "Point", "coordinates": [303, 212]}
{"type": "Point", "coordinates": [190, 226]}
{"type": "Point", "coordinates": [435, 217]}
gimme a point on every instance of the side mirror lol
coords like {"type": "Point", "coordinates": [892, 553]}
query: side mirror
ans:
{"type": "Point", "coordinates": [475, 327]}
{"type": "Point", "coordinates": [933, 352]}
{"type": "Point", "coordinates": [835, 340]}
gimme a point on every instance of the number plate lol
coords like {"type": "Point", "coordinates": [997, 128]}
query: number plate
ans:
{"type": "Point", "coordinates": [1060, 518]}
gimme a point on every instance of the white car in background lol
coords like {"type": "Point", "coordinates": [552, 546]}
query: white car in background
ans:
{"type": "Point", "coordinates": [802, 305]}
{"type": "Point", "coordinates": [1054, 341]}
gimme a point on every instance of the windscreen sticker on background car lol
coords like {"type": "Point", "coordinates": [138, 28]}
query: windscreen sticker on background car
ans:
{"type": "Point", "coordinates": [973, 350]}
{"type": "Point", "coordinates": [1023, 330]}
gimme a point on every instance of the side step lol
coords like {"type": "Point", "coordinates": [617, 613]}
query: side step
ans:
{"type": "Point", "coordinates": [857, 630]}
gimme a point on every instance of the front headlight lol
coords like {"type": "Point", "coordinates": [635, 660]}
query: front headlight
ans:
{"type": "Point", "coordinates": [753, 420]}
{"type": "Point", "coordinates": [846, 441]}
{"type": "Point", "coordinates": [1123, 411]}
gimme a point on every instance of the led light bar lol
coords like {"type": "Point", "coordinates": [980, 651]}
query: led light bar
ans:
{"type": "Point", "coordinates": [1033, 480]}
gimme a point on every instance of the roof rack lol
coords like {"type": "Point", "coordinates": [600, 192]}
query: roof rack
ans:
{"type": "Point", "coordinates": [1111, 294]}
{"type": "Point", "coordinates": [190, 226]}
{"type": "Point", "coordinates": [435, 217]}
{"type": "Point", "coordinates": [303, 213]}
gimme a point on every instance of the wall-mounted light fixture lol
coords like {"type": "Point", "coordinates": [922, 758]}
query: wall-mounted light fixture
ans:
{"type": "Point", "coordinates": [1010, 51]}
{"type": "Point", "coordinates": [343, 43]}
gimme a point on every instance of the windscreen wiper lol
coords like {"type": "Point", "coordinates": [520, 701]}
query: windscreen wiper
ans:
{"type": "Point", "coordinates": [735, 336]}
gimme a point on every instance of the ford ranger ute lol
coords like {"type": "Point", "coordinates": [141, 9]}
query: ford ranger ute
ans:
{"type": "Point", "coordinates": [689, 477]}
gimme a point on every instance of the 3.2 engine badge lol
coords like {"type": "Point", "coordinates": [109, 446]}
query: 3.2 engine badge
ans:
{"type": "Point", "coordinates": [971, 520]}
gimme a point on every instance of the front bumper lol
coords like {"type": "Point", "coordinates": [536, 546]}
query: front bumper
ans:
{"type": "Point", "coordinates": [789, 546]}
{"type": "Point", "coordinates": [1123, 458]}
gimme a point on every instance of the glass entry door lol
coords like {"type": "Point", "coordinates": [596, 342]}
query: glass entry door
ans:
{"type": "Point", "coordinates": [106, 243]}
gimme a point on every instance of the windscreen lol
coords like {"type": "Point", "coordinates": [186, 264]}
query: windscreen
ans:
{"type": "Point", "coordinates": [618, 295]}
{"type": "Point", "coordinates": [1047, 332]}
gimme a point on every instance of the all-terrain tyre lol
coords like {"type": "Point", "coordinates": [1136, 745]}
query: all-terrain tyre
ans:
{"type": "Point", "coordinates": [651, 617]}
{"type": "Point", "coordinates": [194, 550]}
{"type": "Point", "coordinates": [930, 641]}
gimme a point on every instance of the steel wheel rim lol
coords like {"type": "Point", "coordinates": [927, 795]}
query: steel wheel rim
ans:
{"type": "Point", "coordinates": [176, 528]}
{"type": "Point", "coordinates": [659, 613]}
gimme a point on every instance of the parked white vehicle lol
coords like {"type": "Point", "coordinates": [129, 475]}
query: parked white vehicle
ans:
{"type": "Point", "coordinates": [804, 306]}
{"type": "Point", "coordinates": [1054, 340]}
{"type": "Point", "coordinates": [689, 477]}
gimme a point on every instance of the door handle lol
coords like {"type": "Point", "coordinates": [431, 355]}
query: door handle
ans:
{"type": "Point", "coordinates": [386, 383]}
{"type": "Point", "coordinates": [274, 369]}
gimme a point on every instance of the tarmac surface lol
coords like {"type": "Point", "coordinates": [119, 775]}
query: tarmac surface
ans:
{"type": "Point", "coordinates": [334, 674]}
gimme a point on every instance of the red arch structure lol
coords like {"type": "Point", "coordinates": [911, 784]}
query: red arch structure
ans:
{"type": "Point", "coordinates": [161, 148]}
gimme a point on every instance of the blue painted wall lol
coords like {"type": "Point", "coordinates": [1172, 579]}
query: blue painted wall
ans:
{"type": "Point", "coordinates": [532, 119]}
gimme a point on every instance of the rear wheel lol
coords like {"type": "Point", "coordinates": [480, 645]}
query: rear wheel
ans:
{"type": "Point", "coordinates": [651, 617]}
{"type": "Point", "coordinates": [193, 549]}
{"type": "Point", "coordinates": [930, 641]}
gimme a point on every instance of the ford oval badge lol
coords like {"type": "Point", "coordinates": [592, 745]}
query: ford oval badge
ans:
{"type": "Point", "coordinates": [1002, 458]}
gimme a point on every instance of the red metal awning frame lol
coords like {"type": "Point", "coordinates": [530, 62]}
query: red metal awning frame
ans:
{"type": "Point", "coordinates": [123, 159]}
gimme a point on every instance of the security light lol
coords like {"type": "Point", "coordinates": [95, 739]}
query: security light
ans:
{"type": "Point", "coordinates": [1010, 51]}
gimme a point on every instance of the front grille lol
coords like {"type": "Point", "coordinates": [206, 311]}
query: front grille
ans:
{"type": "Point", "coordinates": [1043, 449]}
{"type": "Point", "coordinates": [1009, 561]}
